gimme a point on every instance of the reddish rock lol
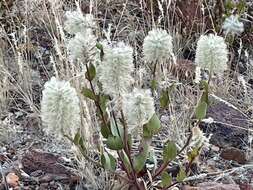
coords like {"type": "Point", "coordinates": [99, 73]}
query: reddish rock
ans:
{"type": "Point", "coordinates": [49, 164]}
{"type": "Point", "coordinates": [246, 186]}
{"type": "Point", "coordinates": [234, 154]}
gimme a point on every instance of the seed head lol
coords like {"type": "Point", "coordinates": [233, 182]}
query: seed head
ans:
{"type": "Point", "coordinates": [77, 22]}
{"type": "Point", "coordinates": [212, 53]}
{"type": "Point", "coordinates": [233, 25]}
{"type": "Point", "coordinates": [157, 46]}
{"type": "Point", "coordinates": [60, 111]}
{"type": "Point", "coordinates": [115, 71]}
{"type": "Point", "coordinates": [138, 107]}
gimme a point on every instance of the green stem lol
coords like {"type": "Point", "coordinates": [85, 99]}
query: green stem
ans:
{"type": "Point", "coordinates": [97, 102]}
{"type": "Point", "coordinates": [128, 150]}
{"type": "Point", "coordinates": [164, 165]}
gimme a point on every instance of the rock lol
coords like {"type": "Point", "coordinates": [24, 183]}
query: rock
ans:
{"type": "Point", "coordinates": [36, 173]}
{"type": "Point", "coordinates": [47, 164]}
{"type": "Point", "coordinates": [12, 180]}
{"type": "Point", "coordinates": [246, 186]}
{"type": "Point", "coordinates": [234, 154]}
{"type": "Point", "coordinates": [188, 187]}
{"type": "Point", "coordinates": [212, 186]}
{"type": "Point", "coordinates": [217, 186]}
{"type": "Point", "coordinates": [229, 128]}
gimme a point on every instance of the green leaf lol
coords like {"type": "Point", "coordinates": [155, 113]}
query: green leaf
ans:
{"type": "Point", "coordinates": [114, 143]}
{"type": "Point", "coordinates": [126, 161]}
{"type": "Point", "coordinates": [129, 140]}
{"type": "Point", "coordinates": [113, 162]}
{"type": "Point", "coordinates": [165, 99]}
{"type": "Point", "coordinates": [140, 159]}
{"type": "Point", "coordinates": [193, 154]}
{"type": "Point", "coordinates": [99, 46]}
{"type": "Point", "coordinates": [181, 175]}
{"type": "Point", "coordinates": [118, 130]}
{"type": "Point", "coordinates": [105, 160]}
{"type": "Point", "coordinates": [108, 161]}
{"type": "Point", "coordinates": [81, 144]}
{"type": "Point", "coordinates": [90, 73]}
{"type": "Point", "coordinates": [169, 151]}
{"type": "Point", "coordinates": [201, 110]}
{"type": "Point", "coordinates": [166, 179]}
{"type": "Point", "coordinates": [89, 94]}
{"type": "Point", "coordinates": [154, 84]}
{"type": "Point", "coordinates": [241, 7]}
{"type": "Point", "coordinates": [103, 99]}
{"type": "Point", "coordinates": [205, 86]}
{"type": "Point", "coordinates": [77, 138]}
{"type": "Point", "coordinates": [105, 130]}
{"type": "Point", "coordinates": [152, 127]}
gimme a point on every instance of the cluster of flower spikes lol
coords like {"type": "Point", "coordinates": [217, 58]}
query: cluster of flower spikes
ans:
{"type": "Point", "coordinates": [115, 75]}
{"type": "Point", "coordinates": [60, 109]}
{"type": "Point", "coordinates": [82, 45]}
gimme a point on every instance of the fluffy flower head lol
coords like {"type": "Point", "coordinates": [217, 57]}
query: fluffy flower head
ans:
{"type": "Point", "coordinates": [81, 46]}
{"type": "Point", "coordinates": [198, 138]}
{"type": "Point", "coordinates": [138, 107]}
{"type": "Point", "coordinates": [157, 46]}
{"type": "Point", "coordinates": [115, 71]}
{"type": "Point", "coordinates": [77, 22]}
{"type": "Point", "coordinates": [212, 53]}
{"type": "Point", "coordinates": [233, 25]}
{"type": "Point", "coordinates": [60, 109]}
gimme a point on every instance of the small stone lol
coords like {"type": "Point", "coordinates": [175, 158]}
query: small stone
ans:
{"type": "Point", "coordinates": [234, 154]}
{"type": "Point", "coordinates": [36, 173]}
{"type": "Point", "coordinates": [215, 148]}
{"type": "Point", "coordinates": [188, 187]}
{"type": "Point", "coordinates": [44, 186]}
{"type": "Point", "coordinates": [216, 186]}
{"type": "Point", "coordinates": [12, 179]}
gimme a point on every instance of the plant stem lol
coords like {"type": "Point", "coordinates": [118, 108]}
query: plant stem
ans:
{"type": "Point", "coordinates": [128, 150]}
{"type": "Point", "coordinates": [164, 165]}
{"type": "Point", "coordinates": [154, 78]}
{"type": "Point", "coordinates": [97, 97]}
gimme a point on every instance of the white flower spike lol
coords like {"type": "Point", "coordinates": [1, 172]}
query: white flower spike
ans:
{"type": "Point", "coordinates": [233, 25]}
{"type": "Point", "coordinates": [212, 53]}
{"type": "Point", "coordinates": [138, 107]}
{"type": "Point", "coordinates": [157, 46]}
{"type": "Point", "coordinates": [81, 46]}
{"type": "Point", "coordinates": [60, 109]}
{"type": "Point", "coordinates": [77, 22]}
{"type": "Point", "coordinates": [115, 71]}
